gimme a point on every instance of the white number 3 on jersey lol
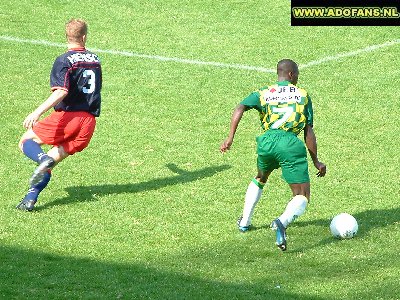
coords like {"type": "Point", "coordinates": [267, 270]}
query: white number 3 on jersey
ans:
{"type": "Point", "coordinates": [91, 82]}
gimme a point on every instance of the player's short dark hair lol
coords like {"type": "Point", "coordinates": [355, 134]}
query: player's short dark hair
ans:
{"type": "Point", "coordinates": [287, 65]}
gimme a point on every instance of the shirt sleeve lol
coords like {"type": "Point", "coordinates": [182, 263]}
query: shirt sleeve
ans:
{"type": "Point", "coordinates": [308, 112]}
{"type": "Point", "coordinates": [59, 76]}
{"type": "Point", "coordinates": [252, 101]}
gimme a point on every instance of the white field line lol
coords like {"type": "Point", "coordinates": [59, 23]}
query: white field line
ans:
{"type": "Point", "coordinates": [348, 54]}
{"type": "Point", "coordinates": [209, 63]}
{"type": "Point", "coordinates": [147, 56]}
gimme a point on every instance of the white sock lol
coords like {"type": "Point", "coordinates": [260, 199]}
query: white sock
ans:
{"type": "Point", "coordinates": [253, 194]}
{"type": "Point", "coordinates": [294, 209]}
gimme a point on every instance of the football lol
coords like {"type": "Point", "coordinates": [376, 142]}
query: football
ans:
{"type": "Point", "coordinates": [344, 226]}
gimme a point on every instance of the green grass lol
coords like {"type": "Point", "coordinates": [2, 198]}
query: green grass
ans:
{"type": "Point", "coordinates": [148, 210]}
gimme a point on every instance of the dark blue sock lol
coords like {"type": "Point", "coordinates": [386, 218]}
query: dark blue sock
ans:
{"type": "Point", "coordinates": [34, 191]}
{"type": "Point", "coordinates": [33, 150]}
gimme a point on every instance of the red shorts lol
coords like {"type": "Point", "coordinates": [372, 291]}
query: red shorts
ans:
{"type": "Point", "coordinates": [71, 130]}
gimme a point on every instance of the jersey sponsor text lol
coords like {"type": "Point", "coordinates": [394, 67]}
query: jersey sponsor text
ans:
{"type": "Point", "coordinates": [83, 57]}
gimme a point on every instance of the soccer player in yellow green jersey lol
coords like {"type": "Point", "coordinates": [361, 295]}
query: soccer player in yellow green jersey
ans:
{"type": "Point", "coordinates": [285, 110]}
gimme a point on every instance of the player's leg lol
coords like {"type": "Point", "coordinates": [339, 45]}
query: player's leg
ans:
{"type": "Point", "coordinates": [253, 195]}
{"type": "Point", "coordinates": [300, 191]}
{"type": "Point", "coordinates": [47, 132]}
{"type": "Point", "coordinates": [266, 163]}
{"type": "Point", "coordinates": [297, 205]}
{"type": "Point", "coordinates": [293, 160]}
{"type": "Point", "coordinates": [57, 154]}
{"type": "Point", "coordinates": [30, 145]}
{"type": "Point", "coordinates": [42, 174]}
{"type": "Point", "coordinates": [294, 209]}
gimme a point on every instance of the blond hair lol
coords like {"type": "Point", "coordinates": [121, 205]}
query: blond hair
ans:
{"type": "Point", "coordinates": [75, 29]}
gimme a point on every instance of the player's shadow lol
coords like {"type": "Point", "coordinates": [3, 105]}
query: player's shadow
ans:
{"type": "Point", "coordinates": [92, 192]}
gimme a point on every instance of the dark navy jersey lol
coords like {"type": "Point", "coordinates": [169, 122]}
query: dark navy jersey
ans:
{"type": "Point", "coordinates": [78, 72]}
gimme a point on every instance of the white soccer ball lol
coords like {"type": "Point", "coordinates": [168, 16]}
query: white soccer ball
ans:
{"type": "Point", "coordinates": [344, 226]}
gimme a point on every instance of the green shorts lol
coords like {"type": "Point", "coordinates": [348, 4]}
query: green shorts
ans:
{"type": "Point", "coordinates": [278, 148]}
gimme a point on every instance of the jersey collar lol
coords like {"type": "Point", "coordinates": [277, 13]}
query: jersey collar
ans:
{"type": "Point", "coordinates": [79, 49]}
{"type": "Point", "coordinates": [283, 83]}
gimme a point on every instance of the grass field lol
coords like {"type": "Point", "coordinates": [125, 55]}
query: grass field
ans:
{"type": "Point", "coordinates": [149, 209]}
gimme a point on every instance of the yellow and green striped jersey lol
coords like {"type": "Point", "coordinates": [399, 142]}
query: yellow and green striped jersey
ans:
{"type": "Point", "coordinates": [282, 106]}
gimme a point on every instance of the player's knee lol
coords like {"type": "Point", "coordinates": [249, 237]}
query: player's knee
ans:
{"type": "Point", "coordinates": [62, 153]}
{"type": "Point", "coordinates": [28, 135]}
{"type": "Point", "coordinates": [22, 141]}
{"type": "Point", "coordinates": [261, 180]}
{"type": "Point", "coordinates": [300, 199]}
{"type": "Point", "coordinates": [302, 194]}
{"type": "Point", "coordinates": [262, 176]}
{"type": "Point", "coordinates": [21, 144]}
{"type": "Point", "coordinates": [24, 138]}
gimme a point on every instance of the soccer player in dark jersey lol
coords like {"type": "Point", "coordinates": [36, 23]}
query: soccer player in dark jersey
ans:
{"type": "Point", "coordinates": [75, 80]}
{"type": "Point", "coordinates": [285, 110]}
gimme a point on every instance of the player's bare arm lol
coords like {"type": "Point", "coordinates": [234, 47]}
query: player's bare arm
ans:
{"type": "Point", "coordinates": [236, 117]}
{"type": "Point", "coordinates": [56, 97]}
{"type": "Point", "coordinates": [311, 143]}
